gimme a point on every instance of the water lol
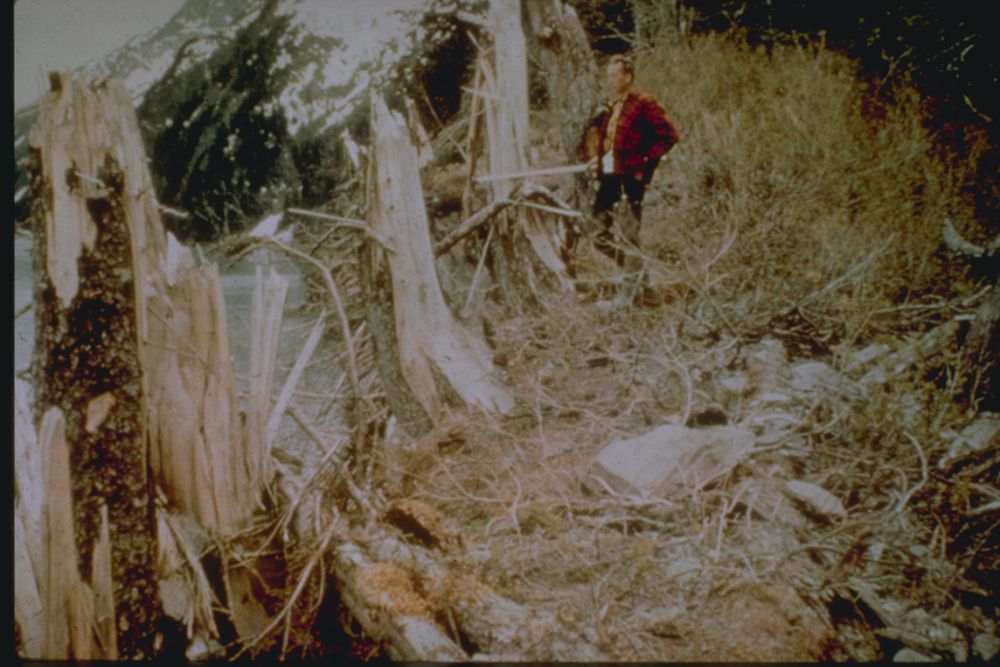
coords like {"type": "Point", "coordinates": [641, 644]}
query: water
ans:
{"type": "Point", "coordinates": [237, 290]}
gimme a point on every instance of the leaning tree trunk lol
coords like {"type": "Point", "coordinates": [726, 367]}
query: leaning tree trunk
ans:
{"type": "Point", "coordinates": [440, 361]}
{"type": "Point", "coordinates": [86, 362]}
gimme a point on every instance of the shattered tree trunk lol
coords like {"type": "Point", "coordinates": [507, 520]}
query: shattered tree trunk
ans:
{"type": "Point", "coordinates": [59, 612]}
{"type": "Point", "coordinates": [86, 363]}
{"type": "Point", "coordinates": [558, 42]}
{"type": "Point", "coordinates": [133, 349]}
{"type": "Point", "coordinates": [505, 106]}
{"type": "Point", "coordinates": [440, 361]}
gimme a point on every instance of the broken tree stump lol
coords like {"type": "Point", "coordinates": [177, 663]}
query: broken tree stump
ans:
{"type": "Point", "coordinates": [440, 360]}
{"type": "Point", "coordinates": [86, 362]}
{"type": "Point", "coordinates": [558, 42]}
{"type": "Point", "coordinates": [132, 349]}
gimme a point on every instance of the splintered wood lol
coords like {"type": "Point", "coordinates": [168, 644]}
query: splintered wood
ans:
{"type": "Point", "coordinates": [430, 340]}
{"type": "Point", "coordinates": [505, 106]}
{"type": "Point", "coordinates": [55, 607]}
{"type": "Point", "coordinates": [89, 194]}
{"type": "Point", "coordinates": [132, 307]}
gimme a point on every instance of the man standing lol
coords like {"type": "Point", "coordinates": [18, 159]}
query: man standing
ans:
{"type": "Point", "coordinates": [625, 144]}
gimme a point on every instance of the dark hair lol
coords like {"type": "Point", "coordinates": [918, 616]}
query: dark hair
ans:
{"type": "Point", "coordinates": [626, 64]}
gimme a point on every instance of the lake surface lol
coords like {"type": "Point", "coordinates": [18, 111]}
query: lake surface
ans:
{"type": "Point", "coordinates": [237, 290]}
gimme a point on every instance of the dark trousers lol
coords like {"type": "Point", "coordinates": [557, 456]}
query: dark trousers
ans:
{"type": "Point", "coordinates": [610, 191]}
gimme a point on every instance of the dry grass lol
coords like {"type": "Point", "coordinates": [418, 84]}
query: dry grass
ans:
{"type": "Point", "coordinates": [794, 206]}
{"type": "Point", "coordinates": [796, 175]}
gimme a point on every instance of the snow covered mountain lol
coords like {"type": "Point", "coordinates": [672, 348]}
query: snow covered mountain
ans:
{"type": "Point", "coordinates": [238, 99]}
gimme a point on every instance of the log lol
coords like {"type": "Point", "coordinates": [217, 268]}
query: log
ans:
{"type": "Point", "coordinates": [440, 360]}
{"type": "Point", "coordinates": [495, 624]}
{"type": "Point", "coordinates": [382, 598]}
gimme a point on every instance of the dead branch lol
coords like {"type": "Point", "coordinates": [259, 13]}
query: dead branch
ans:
{"type": "Point", "coordinates": [482, 216]}
{"type": "Point", "coordinates": [352, 488]}
{"type": "Point", "coordinates": [338, 301]}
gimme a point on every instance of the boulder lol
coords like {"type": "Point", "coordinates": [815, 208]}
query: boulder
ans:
{"type": "Point", "coordinates": [668, 461]}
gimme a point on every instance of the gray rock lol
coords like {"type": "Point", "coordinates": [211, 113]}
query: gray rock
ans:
{"type": "Point", "coordinates": [811, 376]}
{"type": "Point", "coordinates": [735, 384]}
{"type": "Point", "coordinates": [876, 375]}
{"type": "Point", "coordinates": [974, 437]}
{"type": "Point", "coordinates": [868, 354]}
{"type": "Point", "coordinates": [683, 568]}
{"type": "Point", "coordinates": [909, 655]}
{"type": "Point", "coordinates": [986, 646]}
{"type": "Point", "coordinates": [669, 460]}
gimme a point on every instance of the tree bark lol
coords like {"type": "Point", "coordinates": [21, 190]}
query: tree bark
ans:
{"type": "Point", "coordinates": [86, 358]}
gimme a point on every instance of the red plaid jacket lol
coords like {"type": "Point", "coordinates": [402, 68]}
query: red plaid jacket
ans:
{"type": "Point", "coordinates": [644, 135]}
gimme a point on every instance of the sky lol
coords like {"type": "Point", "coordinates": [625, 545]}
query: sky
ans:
{"type": "Point", "coordinates": [63, 34]}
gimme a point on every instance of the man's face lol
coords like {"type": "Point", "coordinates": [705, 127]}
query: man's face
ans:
{"type": "Point", "coordinates": [618, 80]}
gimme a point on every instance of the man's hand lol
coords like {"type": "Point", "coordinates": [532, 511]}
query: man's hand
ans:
{"type": "Point", "coordinates": [639, 176]}
{"type": "Point", "coordinates": [592, 166]}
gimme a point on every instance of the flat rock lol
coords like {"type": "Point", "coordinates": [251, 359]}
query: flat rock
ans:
{"type": "Point", "coordinates": [909, 655]}
{"type": "Point", "coordinates": [974, 437]}
{"type": "Point", "coordinates": [986, 646]}
{"type": "Point", "coordinates": [813, 376]}
{"type": "Point", "coordinates": [669, 460]}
